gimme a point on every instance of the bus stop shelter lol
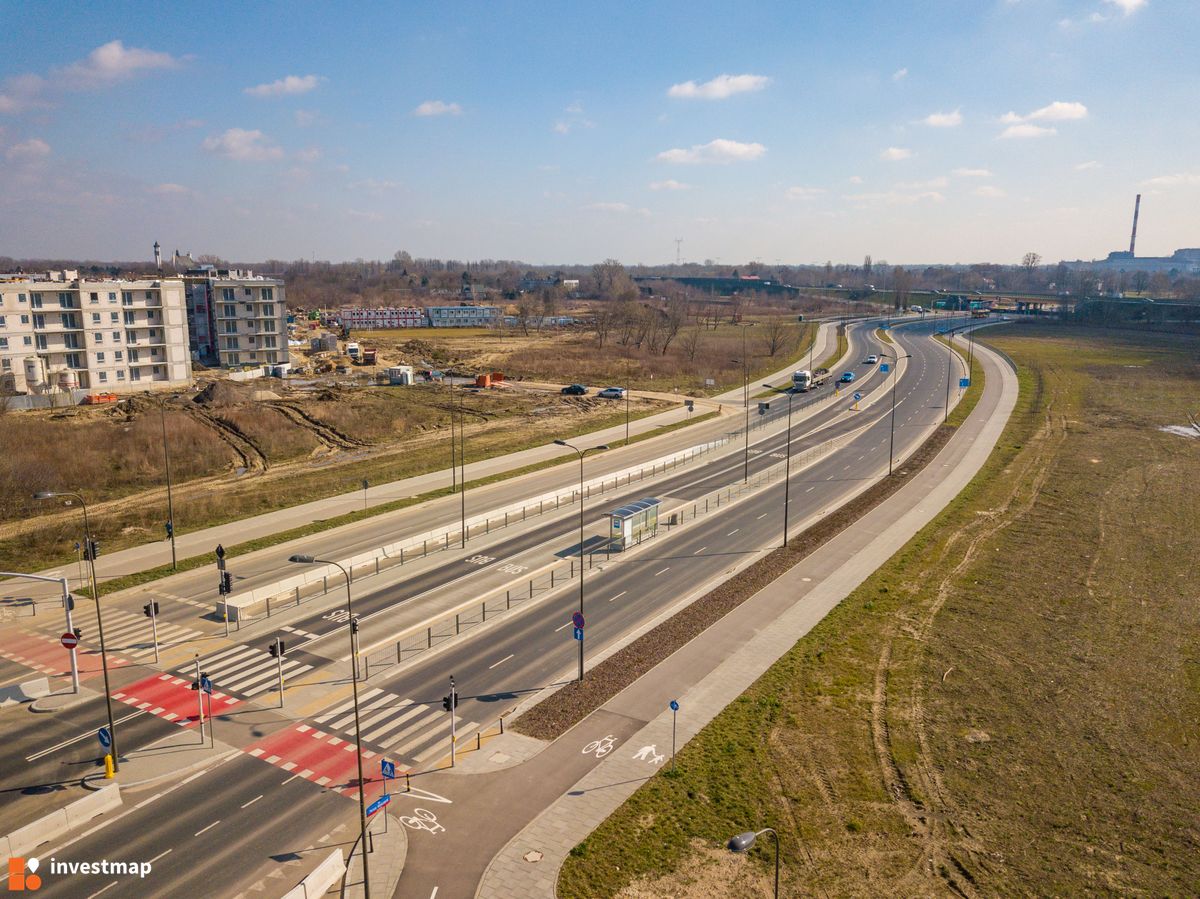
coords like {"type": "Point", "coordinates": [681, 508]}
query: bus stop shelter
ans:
{"type": "Point", "coordinates": [633, 523]}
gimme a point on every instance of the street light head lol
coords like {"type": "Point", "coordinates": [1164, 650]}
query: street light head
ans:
{"type": "Point", "coordinates": [302, 559]}
{"type": "Point", "coordinates": [560, 443]}
{"type": "Point", "coordinates": [602, 446]}
{"type": "Point", "coordinates": [742, 842]}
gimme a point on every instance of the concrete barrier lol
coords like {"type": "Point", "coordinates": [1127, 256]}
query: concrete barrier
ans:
{"type": "Point", "coordinates": [23, 840]}
{"type": "Point", "coordinates": [25, 691]}
{"type": "Point", "coordinates": [320, 879]}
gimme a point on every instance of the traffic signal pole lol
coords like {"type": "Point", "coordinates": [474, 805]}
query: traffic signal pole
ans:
{"type": "Point", "coordinates": [200, 698]}
{"type": "Point", "coordinates": [152, 611]}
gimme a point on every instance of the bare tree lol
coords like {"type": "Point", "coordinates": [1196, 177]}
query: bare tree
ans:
{"type": "Point", "coordinates": [672, 320]}
{"type": "Point", "coordinates": [690, 342]}
{"type": "Point", "coordinates": [901, 282]}
{"type": "Point", "coordinates": [526, 312]}
{"type": "Point", "coordinates": [1030, 262]}
{"type": "Point", "coordinates": [602, 323]}
{"type": "Point", "coordinates": [777, 334]}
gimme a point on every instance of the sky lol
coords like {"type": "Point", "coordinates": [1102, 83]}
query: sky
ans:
{"type": "Point", "coordinates": [788, 132]}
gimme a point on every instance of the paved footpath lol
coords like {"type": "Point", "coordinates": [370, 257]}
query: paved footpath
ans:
{"type": "Point", "coordinates": [527, 818]}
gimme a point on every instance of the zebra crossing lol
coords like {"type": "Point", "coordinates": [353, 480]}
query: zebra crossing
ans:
{"type": "Point", "coordinates": [404, 729]}
{"type": "Point", "coordinates": [245, 670]}
{"type": "Point", "coordinates": [132, 634]}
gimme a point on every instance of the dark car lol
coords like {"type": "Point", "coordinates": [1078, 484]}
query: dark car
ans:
{"type": "Point", "coordinates": [574, 390]}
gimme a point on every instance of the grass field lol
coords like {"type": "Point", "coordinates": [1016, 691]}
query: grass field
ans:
{"type": "Point", "coordinates": [1008, 706]}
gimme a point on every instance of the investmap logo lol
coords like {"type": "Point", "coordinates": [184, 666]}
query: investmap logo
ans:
{"type": "Point", "coordinates": [22, 874]}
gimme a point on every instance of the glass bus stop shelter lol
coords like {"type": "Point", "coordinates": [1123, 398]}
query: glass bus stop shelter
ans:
{"type": "Point", "coordinates": [633, 523]}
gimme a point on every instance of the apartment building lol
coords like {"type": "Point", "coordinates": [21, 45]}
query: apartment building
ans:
{"type": "Point", "coordinates": [235, 317]}
{"type": "Point", "coordinates": [60, 332]}
{"type": "Point", "coordinates": [358, 318]}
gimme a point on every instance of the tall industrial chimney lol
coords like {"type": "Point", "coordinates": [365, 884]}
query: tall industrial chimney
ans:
{"type": "Point", "coordinates": [1137, 205]}
{"type": "Point", "coordinates": [157, 256]}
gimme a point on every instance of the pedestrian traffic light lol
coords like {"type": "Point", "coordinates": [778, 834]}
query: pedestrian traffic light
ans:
{"type": "Point", "coordinates": [78, 632]}
{"type": "Point", "coordinates": [276, 648]}
{"type": "Point", "coordinates": [91, 550]}
{"type": "Point", "coordinates": [226, 585]}
{"type": "Point", "coordinates": [170, 530]}
{"type": "Point", "coordinates": [150, 609]}
{"type": "Point", "coordinates": [220, 551]}
{"type": "Point", "coordinates": [450, 703]}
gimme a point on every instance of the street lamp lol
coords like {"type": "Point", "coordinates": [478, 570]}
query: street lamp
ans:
{"type": "Point", "coordinates": [743, 841]}
{"type": "Point", "coordinates": [787, 464]}
{"type": "Point", "coordinates": [462, 461]}
{"type": "Point", "coordinates": [362, 801]}
{"type": "Point", "coordinates": [892, 437]}
{"type": "Point", "coordinates": [949, 372]}
{"type": "Point", "coordinates": [582, 453]}
{"type": "Point", "coordinates": [91, 546]}
{"type": "Point", "coordinates": [162, 411]}
{"type": "Point", "coordinates": [746, 401]}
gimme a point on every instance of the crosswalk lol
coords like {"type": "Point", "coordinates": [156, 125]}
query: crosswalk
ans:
{"type": "Point", "coordinates": [245, 670]}
{"type": "Point", "coordinates": [405, 729]}
{"type": "Point", "coordinates": [132, 633]}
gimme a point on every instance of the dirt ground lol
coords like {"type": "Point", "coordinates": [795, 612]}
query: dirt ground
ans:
{"type": "Point", "coordinates": [1009, 706]}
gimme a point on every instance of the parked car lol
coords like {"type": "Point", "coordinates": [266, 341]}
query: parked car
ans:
{"type": "Point", "coordinates": [612, 393]}
{"type": "Point", "coordinates": [847, 377]}
{"type": "Point", "coordinates": [574, 390]}
{"type": "Point", "coordinates": [871, 360]}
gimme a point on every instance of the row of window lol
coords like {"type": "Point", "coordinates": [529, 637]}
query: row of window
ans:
{"type": "Point", "coordinates": [228, 294]}
{"type": "Point", "coordinates": [231, 343]}
{"type": "Point", "coordinates": [231, 311]}
{"type": "Point", "coordinates": [37, 299]}
{"type": "Point", "coordinates": [73, 341]}
{"type": "Point", "coordinates": [71, 320]}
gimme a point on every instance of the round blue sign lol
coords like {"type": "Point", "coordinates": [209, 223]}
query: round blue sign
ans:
{"type": "Point", "coordinates": [674, 705]}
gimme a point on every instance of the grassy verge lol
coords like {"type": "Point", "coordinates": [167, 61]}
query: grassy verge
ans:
{"type": "Point", "coordinates": [843, 344]}
{"type": "Point", "coordinates": [1006, 706]}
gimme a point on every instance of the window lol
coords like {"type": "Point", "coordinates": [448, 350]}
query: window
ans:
{"type": "Point", "coordinates": [41, 341]}
{"type": "Point", "coordinates": [39, 321]}
{"type": "Point", "coordinates": [73, 360]}
{"type": "Point", "coordinates": [130, 337]}
{"type": "Point", "coordinates": [150, 294]}
{"type": "Point", "coordinates": [99, 337]}
{"type": "Point", "coordinates": [120, 376]}
{"type": "Point", "coordinates": [227, 294]}
{"type": "Point", "coordinates": [69, 320]}
{"type": "Point", "coordinates": [27, 341]}
{"type": "Point", "coordinates": [99, 358]}
{"type": "Point", "coordinates": [103, 376]}
{"type": "Point", "coordinates": [271, 358]}
{"type": "Point", "coordinates": [36, 300]}
{"type": "Point", "coordinates": [24, 319]}
{"type": "Point", "coordinates": [230, 327]}
{"type": "Point", "coordinates": [269, 342]}
{"type": "Point", "coordinates": [93, 298]}
{"type": "Point", "coordinates": [71, 340]}
{"type": "Point", "coordinates": [269, 310]}
{"type": "Point", "coordinates": [118, 356]}
{"type": "Point", "coordinates": [6, 364]}
{"type": "Point", "coordinates": [1, 321]}
{"type": "Point", "coordinates": [229, 312]}
{"type": "Point", "coordinates": [133, 356]}
{"type": "Point", "coordinates": [126, 297]}
{"type": "Point", "coordinates": [158, 369]}
{"type": "Point", "coordinates": [269, 325]}
{"type": "Point", "coordinates": [248, 292]}
{"type": "Point", "coordinates": [114, 317]}
{"type": "Point", "coordinates": [249, 307]}
{"type": "Point", "coordinates": [112, 297]}
{"type": "Point", "coordinates": [116, 336]}
{"type": "Point", "coordinates": [267, 293]}
{"type": "Point", "coordinates": [95, 318]}
{"type": "Point", "coordinates": [4, 344]}
{"type": "Point", "coordinates": [20, 298]}
{"type": "Point", "coordinates": [153, 333]}
{"type": "Point", "coordinates": [130, 317]}
{"type": "Point", "coordinates": [66, 301]}
{"type": "Point", "coordinates": [231, 343]}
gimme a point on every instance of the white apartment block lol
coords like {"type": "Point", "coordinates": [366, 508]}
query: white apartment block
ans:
{"type": "Point", "coordinates": [60, 332]}
{"type": "Point", "coordinates": [358, 318]}
{"type": "Point", "coordinates": [236, 318]}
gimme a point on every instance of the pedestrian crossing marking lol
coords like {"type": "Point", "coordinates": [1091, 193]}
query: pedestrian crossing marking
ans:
{"type": "Point", "coordinates": [245, 670]}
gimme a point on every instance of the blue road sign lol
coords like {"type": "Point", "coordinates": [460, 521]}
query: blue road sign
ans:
{"type": "Point", "coordinates": [884, 327]}
{"type": "Point", "coordinates": [577, 619]}
{"type": "Point", "coordinates": [964, 382]}
{"type": "Point", "coordinates": [857, 397]}
{"type": "Point", "coordinates": [378, 804]}
{"type": "Point", "coordinates": [206, 685]}
{"type": "Point", "coordinates": [104, 737]}
{"type": "Point", "coordinates": [388, 768]}
{"type": "Point", "coordinates": [674, 705]}
{"type": "Point", "coordinates": [578, 633]}
{"type": "Point", "coordinates": [885, 367]}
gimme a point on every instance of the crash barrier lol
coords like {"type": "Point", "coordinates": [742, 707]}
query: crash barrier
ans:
{"type": "Point", "coordinates": [21, 841]}
{"type": "Point", "coordinates": [320, 879]}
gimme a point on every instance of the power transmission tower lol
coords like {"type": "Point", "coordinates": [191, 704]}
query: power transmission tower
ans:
{"type": "Point", "coordinates": [678, 255]}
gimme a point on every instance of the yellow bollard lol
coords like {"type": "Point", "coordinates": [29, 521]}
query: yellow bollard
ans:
{"type": "Point", "coordinates": [108, 767]}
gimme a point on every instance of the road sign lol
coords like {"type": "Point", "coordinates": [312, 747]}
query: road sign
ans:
{"type": "Point", "coordinates": [378, 804]}
{"type": "Point", "coordinates": [206, 685]}
{"type": "Point", "coordinates": [578, 633]}
{"type": "Point", "coordinates": [388, 768]}
{"type": "Point", "coordinates": [964, 382]}
{"type": "Point", "coordinates": [857, 397]}
{"type": "Point", "coordinates": [69, 641]}
{"type": "Point", "coordinates": [884, 327]}
{"type": "Point", "coordinates": [885, 367]}
{"type": "Point", "coordinates": [104, 737]}
{"type": "Point", "coordinates": [674, 705]}
{"type": "Point", "coordinates": [577, 619]}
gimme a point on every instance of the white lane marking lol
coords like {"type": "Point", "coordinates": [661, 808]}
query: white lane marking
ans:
{"type": "Point", "coordinates": [89, 735]}
{"type": "Point", "coordinates": [700, 550]}
{"type": "Point", "coordinates": [810, 489]}
{"type": "Point", "coordinates": [433, 895]}
{"type": "Point", "coordinates": [657, 573]}
{"type": "Point", "coordinates": [557, 629]}
{"type": "Point", "coordinates": [254, 800]}
{"type": "Point", "coordinates": [501, 662]}
{"type": "Point", "coordinates": [101, 890]}
{"type": "Point", "coordinates": [761, 517]}
{"type": "Point", "coordinates": [161, 854]}
{"type": "Point", "coordinates": [210, 827]}
{"type": "Point", "coordinates": [734, 531]}
{"type": "Point", "coordinates": [619, 595]}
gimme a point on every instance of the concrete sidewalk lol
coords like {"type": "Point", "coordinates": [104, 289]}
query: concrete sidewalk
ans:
{"type": "Point", "coordinates": [715, 668]}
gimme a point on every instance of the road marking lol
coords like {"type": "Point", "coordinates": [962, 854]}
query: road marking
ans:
{"type": "Point", "coordinates": [161, 854]}
{"type": "Point", "coordinates": [90, 733]}
{"type": "Point", "coordinates": [101, 890]}
{"type": "Point", "coordinates": [657, 573]}
{"type": "Point", "coordinates": [761, 517]}
{"type": "Point", "coordinates": [251, 802]}
{"type": "Point", "coordinates": [700, 550]}
{"type": "Point", "coordinates": [619, 595]}
{"type": "Point", "coordinates": [433, 895]}
{"type": "Point", "coordinates": [501, 662]}
{"type": "Point", "coordinates": [568, 624]}
{"type": "Point", "coordinates": [810, 489]}
{"type": "Point", "coordinates": [210, 827]}
{"type": "Point", "coordinates": [734, 531]}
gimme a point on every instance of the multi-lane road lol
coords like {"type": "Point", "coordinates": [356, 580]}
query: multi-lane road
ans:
{"type": "Point", "coordinates": [256, 803]}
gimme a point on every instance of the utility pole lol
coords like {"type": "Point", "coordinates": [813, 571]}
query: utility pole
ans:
{"type": "Point", "coordinates": [200, 697]}
{"type": "Point", "coordinates": [450, 704]}
{"type": "Point", "coordinates": [276, 649]}
{"type": "Point", "coordinates": [162, 411]}
{"type": "Point", "coordinates": [151, 611]}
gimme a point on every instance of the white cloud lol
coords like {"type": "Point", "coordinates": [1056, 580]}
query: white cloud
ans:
{"type": "Point", "coordinates": [988, 190]}
{"type": "Point", "coordinates": [575, 119]}
{"type": "Point", "coordinates": [1128, 7]}
{"type": "Point", "coordinates": [34, 148]}
{"type": "Point", "coordinates": [669, 184]}
{"type": "Point", "coordinates": [719, 88]}
{"type": "Point", "coordinates": [365, 215]}
{"type": "Point", "coordinates": [170, 189]}
{"type": "Point", "coordinates": [718, 151]}
{"type": "Point", "coordinates": [1088, 166]}
{"type": "Point", "coordinates": [929, 184]}
{"type": "Point", "coordinates": [1180, 179]}
{"type": "Point", "coordinates": [943, 119]}
{"type": "Point", "coordinates": [1026, 130]}
{"type": "Point", "coordinates": [561, 127]}
{"type": "Point", "coordinates": [288, 86]}
{"type": "Point", "coordinates": [894, 154]}
{"type": "Point", "coordinates": [900, 74]}
{"type": "Point", "coordinates": [304, 117]}
{"type": "Point", "coordinates": [436, 108]}
{"type": "Point", "coordinates": [971, 173]}
{"type": "Point", "coordinates": [895, 198]}
{"type": "Point", "coordinates": [803, 193]}
{"type": "Point", "coordinates": [113, 62]}
{"type": "Point", "coordinates": [243, 145]}
{"type": "Point", "coordinates": [1058, 111]}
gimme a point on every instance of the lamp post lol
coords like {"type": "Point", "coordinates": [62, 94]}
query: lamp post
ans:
{"type": "Point", "coordinates": [462, 461]}
{"type": "Point", "coordinates": [949, 372]}
{"type": "Point", "coordinates": [746, 401]}
{"type": "Point", "coordinates": [743, 841]}
{"type": "Point", "coordinates": [162, 412]}
{"type": "Point", "coordinates": [90, 546]}
{"type": "Point", "coordinates": [787, 463]}
{"type": "Point", "coordinates": [362, 801]}
{"type": "Point", "coordinates": [582, 453]}
{"type": "Point", "coordinates": [892, 436]}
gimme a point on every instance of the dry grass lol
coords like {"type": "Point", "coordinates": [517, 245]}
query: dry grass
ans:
{"type": "Point", "coordinates": [1008, 706]}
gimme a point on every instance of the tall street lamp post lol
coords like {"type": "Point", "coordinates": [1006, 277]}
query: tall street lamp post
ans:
{"type": "Point", "coordinates": [743, 841]}
{"type": "Point", "coordinates": [362, 801]}
{"type": "Point", "coordinates": [787, 463]}
{"type": "Point", "coordinates": [949, 372]}
{"type": "Point", "coordinates": [892, 426]}
{"type": "Point", "coordinates": [746, 401]}
{"type": "Point", "coordinates": [582, 453]}
{"type": "Point", "coordinates": [162, 411]}
{"type": "Point", "coordinates": [90, 547]}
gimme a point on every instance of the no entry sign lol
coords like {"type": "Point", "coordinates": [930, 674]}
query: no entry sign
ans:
{"type": "Point", "coordinates": [69, 641]}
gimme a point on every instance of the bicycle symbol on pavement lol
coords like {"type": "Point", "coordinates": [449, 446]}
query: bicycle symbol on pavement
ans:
{"type": "Point", "coordinates": [600, 747]}
{"type": "Point", "coordinates": [422, 819]}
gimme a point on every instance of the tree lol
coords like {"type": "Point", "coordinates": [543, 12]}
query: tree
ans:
{"type": "Point", "coordinates": [602, 323]}
{"type": "Point", "coordinates": [526, 311]}
{"type": "Point", "coordinates": [867, 269]}
{"type": "Point", "coordinates": [672, 320]}
{"type": "Point", "coordinates": [690, 342]}
{"type": "Point", "coordinates": [777, 334]}
{"type": "Point", "coordinates": [1029, 262]}
{"type": "Point", "coordinates": [901, 282]}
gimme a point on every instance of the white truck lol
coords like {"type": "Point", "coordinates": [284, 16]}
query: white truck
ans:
{"type": "Point", "coordinates": [804, 379]}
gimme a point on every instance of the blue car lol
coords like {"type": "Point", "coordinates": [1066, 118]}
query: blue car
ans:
{"type": "Point", "coordinates": [847, 377]}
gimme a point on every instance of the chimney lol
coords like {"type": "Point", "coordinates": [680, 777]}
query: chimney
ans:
{"type": "Point", "coordinates": [1137, 206]}
{"type": "Point", "coordinates": [158, 257]}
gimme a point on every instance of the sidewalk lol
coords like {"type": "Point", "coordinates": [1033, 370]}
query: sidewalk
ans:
{"type": "Point", "coordinates": [730, 657]}
{"type": "Point", "coordinates": [385, 863]}
{"type": "Point", "coordinates": [192, 543]}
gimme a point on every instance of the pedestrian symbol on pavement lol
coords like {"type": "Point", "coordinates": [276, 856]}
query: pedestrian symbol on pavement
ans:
{"type": "Point", "coordinates": [578, 633]}
{"type": "Point", "coordinates": [104, 737]}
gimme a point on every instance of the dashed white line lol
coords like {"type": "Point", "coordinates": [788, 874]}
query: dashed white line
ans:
{"type": "Point", "coordinates": [761, 517]}
{"type": "Point", "coordinates": [101, 890]}
{"type": "Point", "coordinates": [700, 550]}
{"type": "Point", "coordinates": [161, 854]}
{"type": "Point", "coordinates": [210, 827]}
{"type": "Point", "coordinates": [619, 595]}
{"type": "Point", "coordinates": [657, 573]}
{"type": "Point", "coordinates": [254, 800]}
{"type": "Point", "coordinates": [734, 531]}
{"type": "Point", "coordinates": [557, 629]}
{"type": "Point", "coordinates": [501, 662]}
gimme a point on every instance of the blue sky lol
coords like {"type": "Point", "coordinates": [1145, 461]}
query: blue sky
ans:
{"type": "Point", "coordinates": [940, 130]}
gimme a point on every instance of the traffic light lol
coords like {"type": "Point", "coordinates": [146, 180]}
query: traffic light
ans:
{"type": "Point", "coordinates": [78, 632]}
{"type": "Point", "coordinates": [226, 585]}
{"type": "Point", "coordinates": [91, 550]}
{"type": "Point", "coordinates": [276, 648]}
{"type": "Point", "coordinates": [150, 609]}
{"type": "Point", "coordinates": [450, 703]}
